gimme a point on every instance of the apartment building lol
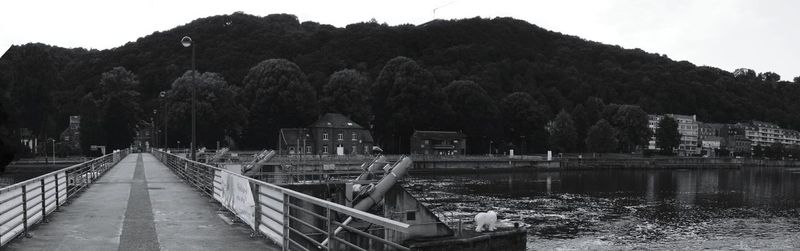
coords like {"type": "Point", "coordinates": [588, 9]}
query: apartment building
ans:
{"type": "Point", "coordinates": [766, 134]}
{"type": "Point", "coordinates": [688, 127]}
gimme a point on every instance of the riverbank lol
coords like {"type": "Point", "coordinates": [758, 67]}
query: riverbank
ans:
{"type": "Point", "coordinates": [464, 166]}
{"type": "Point", "coordinates": [479, 164]}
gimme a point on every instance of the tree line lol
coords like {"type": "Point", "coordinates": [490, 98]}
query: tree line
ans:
{"type": "Point", "coordinates": [501, 81]}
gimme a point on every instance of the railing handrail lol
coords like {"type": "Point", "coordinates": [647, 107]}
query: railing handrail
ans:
{"type": "Point", "coordinates": [44, 194]}
{"type": "Point", "coordinates": [15, 185]}
{"type": "Point", "coordinates": [388, 223]}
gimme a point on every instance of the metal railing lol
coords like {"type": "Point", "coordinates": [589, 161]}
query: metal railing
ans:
{"type": "Point", "coordinates": [292, 219]}
{"type": "Point", "coordinates": [29, 202]}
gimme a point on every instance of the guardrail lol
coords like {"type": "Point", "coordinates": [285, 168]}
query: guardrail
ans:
{"type": "Point", "coordinates": [291, 219]}
{"type": "Point", "coordinates": [29, 202]}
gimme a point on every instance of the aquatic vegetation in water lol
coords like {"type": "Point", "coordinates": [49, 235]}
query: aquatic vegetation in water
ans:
{"type": "Point", "coordinates": [680, 216]}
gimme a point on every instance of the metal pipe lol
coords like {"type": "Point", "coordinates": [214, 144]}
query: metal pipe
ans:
{"type": "Point", "coordinates": [398, 171]}
{"type": "Point", "coordinates": [374, 166]}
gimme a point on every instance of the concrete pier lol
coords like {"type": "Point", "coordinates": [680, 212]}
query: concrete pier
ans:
{"type": "Point", "coordinates": [140, 205]}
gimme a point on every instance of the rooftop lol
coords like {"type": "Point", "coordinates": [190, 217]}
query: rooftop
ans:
{"type": "Point", "coordinates": [681, 116]}
{"type": "Point", "coordinates": [335, 120]}
{"type": "Point", "coordinates": [438, 134]}
{"type": "Point", "coordinates": [764, 124]}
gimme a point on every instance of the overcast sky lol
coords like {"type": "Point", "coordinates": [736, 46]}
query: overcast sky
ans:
{"type": "Point", "coordinates": [763, 35]}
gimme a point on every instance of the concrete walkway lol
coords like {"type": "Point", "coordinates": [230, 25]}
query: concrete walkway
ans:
{"type": "Point", "coordinates": [140, 205]}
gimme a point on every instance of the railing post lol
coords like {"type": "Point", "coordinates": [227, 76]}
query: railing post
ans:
{"type": "Point", "coordinates": [44, 205]}
{"type": "Point", "coordinates": [331, 230]}
{"type": "Point", "coordinates": [460, 226]}
{"type": "Point", "coordinates": [257, 215]}
{"type": "Point", "coordinates": [25, 211]}
{"type": "Point", "coordinates": [286, 221]}
{"type": "Point", "coordinates": [58, 200]}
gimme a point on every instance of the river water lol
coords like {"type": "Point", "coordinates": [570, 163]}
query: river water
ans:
{"type": "Point", "coordinates": [18, 173]}
{"type": "Point", "coordinates": [747, 208]}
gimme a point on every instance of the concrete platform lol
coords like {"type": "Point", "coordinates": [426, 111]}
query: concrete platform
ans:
{"type": "Point", "coordinates": [140, 205]}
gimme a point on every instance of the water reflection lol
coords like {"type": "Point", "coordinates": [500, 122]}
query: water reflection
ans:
{"type": "Point", "coordinates": [753, 186]}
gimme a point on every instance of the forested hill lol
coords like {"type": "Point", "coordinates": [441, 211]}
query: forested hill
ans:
{"type": "Point", "coordinates": [502, 55]}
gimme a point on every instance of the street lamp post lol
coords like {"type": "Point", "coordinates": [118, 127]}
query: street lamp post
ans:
{"type": "Point", "coordinates": [54, 151]}
{"type": "Point", "coordinates": [163, 96]}
{"type": "Point", "coordinates": [187, 42]}
{"type": "Point", "coordinates": [153, 136]}
{"type": "Point", "coordinates": [154, 127]}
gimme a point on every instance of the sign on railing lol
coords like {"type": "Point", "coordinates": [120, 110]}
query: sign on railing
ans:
{"type": "Point", "coordinates": [29, 202]}
{"type": "Point", "coordinates": [235, 194]}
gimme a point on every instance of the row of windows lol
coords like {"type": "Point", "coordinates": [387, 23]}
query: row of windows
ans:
{"type": "Point", "coordinates": [308, 149]}
{"type": "Point", "coordinates": [428, 142]}
{"type": "Point", "coordinates": [354, 149]}
{"type": "Point", "coordinates": [340, 136]}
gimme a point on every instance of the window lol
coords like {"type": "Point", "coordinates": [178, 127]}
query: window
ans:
{"type": "Point", "coordinates": [341, 136]}
{"type": "Point", "coordinates": [411, 216]}
{"type": "Point", "coordinates": [355, 136]}
{"type": "Point", "coordinates": [325, 149]}
{"type": "Point", "coordinates": [308, 149]}
{"type": "Point", "coordinates": [324, 136]}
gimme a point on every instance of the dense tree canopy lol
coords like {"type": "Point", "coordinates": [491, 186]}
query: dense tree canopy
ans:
{"type": "Point", "coordinates": [277, 94]}
{"type": "Point", "coordinates": [563, 136]}
{"type": "Point", "coordinates": [582, 124]}
{"type": "Point", "coordinates": [517, 64]}
{"type": "Point", "coordinates": [7, 147]}
{"type": "Point", "coordinates": [91, 129]}
{"type": "Point", "coordinates": [601, 138]}
{"type": "Point", "coordinates": [474, 112]}
{"type": "Point", "coordinates": [118, 109]}
{"type": "Point", "coordinates": [631, 121]}
{"type": "Point", "coordinates": [667, 136]}
{"type": "Point", "coordinates": [413, 100]}
{"type": "Point", "coordinates": [347, 92]}
{"type": "Point", "coordinates": [522, 114]}
{"type": "Point", "coordinates": [220, 117]}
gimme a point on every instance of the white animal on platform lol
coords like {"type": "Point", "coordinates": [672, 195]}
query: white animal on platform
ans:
{"type": "Point", "coordinates": [487, 219]}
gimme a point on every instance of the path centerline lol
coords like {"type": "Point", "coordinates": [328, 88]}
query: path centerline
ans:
{"type": "Point", "coordinates": [138, 229]}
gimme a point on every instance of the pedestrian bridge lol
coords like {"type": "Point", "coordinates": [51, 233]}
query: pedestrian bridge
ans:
{"type": "Point", "coordinates": [160, 201]}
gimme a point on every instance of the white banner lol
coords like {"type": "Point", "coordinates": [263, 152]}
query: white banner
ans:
{"type": "Point", "coordinates": [238, 197]}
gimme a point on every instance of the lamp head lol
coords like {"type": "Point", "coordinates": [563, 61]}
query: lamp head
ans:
{"type": "Point", "coordinates": [186, 41]}
{"type": "Point", "coordinates": [162, 94]}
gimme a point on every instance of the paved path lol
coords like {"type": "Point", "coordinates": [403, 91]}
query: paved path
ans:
{"type": "Point", "coordinates": [140, 205]}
